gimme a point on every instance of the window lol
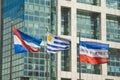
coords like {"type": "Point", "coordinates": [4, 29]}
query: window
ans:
{"type": "Point", "coordinates": [114, 62]}
{"type": "Point", "coordinates": [109, 79]}
{"type": "Point", "coordinates": [65, 21]}
{"type": "Point", "coordinates": [88, 24]}
{"type": "Point", "coordinates": [53, 66]}
{"type": "Point", "coordinates": [68, 0]}
{"type": "Point", "coordinates": [37, 11]}
{"type": "Point", "coordinates": [91, 2]}
{"type": "Point", "coordinates": [113, 28]}
{"type": "Point", "coordinates": [65, 60]}
{"type": "Point", "coordinates": [115, 4]}
{"type": "Point", "coordinates": [65, 79]}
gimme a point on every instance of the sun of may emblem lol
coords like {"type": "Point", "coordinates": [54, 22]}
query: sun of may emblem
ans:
{"type": "Point", "coordinates": [49, 37]}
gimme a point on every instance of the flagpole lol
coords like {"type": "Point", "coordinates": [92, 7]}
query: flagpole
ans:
{"type": "Point", "coordinates": [57, 34]}
{"type": "Point", "coordinates": [11, 54]}
{"type": "Point", "coordinates": [46, 65]}
{"type": "Point", "coordinates": [56, 66]}
{"type": "Point", "coordinates": [79, 59]}
{"type": "Point", "coordinates": [46, 59]}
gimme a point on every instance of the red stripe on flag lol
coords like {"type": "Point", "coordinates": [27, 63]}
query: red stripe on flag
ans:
{"type": "Point", "coordinates": [92, 60]}
{"type": "Point", "coordinates": [22, 41]}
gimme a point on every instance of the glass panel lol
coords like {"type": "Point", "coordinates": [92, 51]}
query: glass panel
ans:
{"type": "Point", "coordinates": [114, 62]}
{"type": "Point", "coordinates": [11, 64]}
{"type": "Point", "coordinates": [88, 24]}
{"type": "Point", "coordinates": [115, 4]}
{"type": "Point", "coordinates": [53, 66]}
{"type": "Point", "coordinates": [65, 21]}
{"type": "Point", "coordinates": [32, 17]}
{"type": "Point", "coordinates": [65, 60]}
{"type": "Point", "coordinates": [113, 28]}
{"type": "Point", "coordinates": [91, 2]}
{"type": "Point", "coordinates": [65, 79]}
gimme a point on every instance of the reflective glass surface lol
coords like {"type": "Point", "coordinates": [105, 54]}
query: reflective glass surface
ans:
{"type": "Point", "coordinates": [114, 62]}
{"type": "Point", "coordinates": [91, 2]}
{"type": "Point", "coordinates": [13, 14]}
{"type": "Point", "coordinates": [65, 21]}
{"type": "Point", "coordinates": [115, 4]}
{"type": "Point", "coordinates": [65, 60]}
{"type": "Point", "coordinates": [37, 23]}
{"type": "Point", "coordinates": [113, 28]}
{"type": "Point", "coordinates": [88, 24]}
{"type": "Point", "coordinates": [35, 18]}
{"type": "Point", "coordinates": [65, 79]}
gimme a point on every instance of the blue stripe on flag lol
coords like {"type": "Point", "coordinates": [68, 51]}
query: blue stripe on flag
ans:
{"type": "Point", "coordinates": [62, 39]}
{"type": "Point", "coordinates": [30, 38]}
{"type": "Point", "coordinates": [52, 50]}
{"type": "Point", "coordinates": [61, 43]}
{"type": "Point", "coordinates": [19, 49]}
{"type": "Point", "coordinates": [57, 47]}
{"type": "Point", "coordinates": [94, 45]}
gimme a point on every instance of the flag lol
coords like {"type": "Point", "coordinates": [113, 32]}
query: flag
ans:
{"type": "Point", "coordinates": [56, 44]}
{"type": "Point", "coordinates": [25, 43]}
{"type": "Point", "coordinates": [93, 52]}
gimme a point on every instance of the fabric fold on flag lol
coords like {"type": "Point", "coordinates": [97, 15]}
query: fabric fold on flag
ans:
{"type": "Point", "coordinates": [25, 43]}
{"type": "Point", "coordinates": [56, 44]}
{"type": "Point", "coordinates": [93, 52]}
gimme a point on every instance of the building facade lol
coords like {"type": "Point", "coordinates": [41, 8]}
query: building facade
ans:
{"type": "Point", "coordinates": [96, 20]}
{"type": "Point", "coordinates": [33, 17]}
{"type": "Point", "coordinates": [0, 38]}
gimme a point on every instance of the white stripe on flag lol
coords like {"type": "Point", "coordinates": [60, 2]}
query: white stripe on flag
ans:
{"type": "Point", "coordinates": [94, 52]}
{"type": "Point", "coordinates": [56, 44]}
{"type": "Point", "coordinates": [32, 45]}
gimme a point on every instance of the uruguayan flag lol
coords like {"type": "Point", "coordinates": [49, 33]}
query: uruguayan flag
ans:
{"type": "Point", "coordinates": [25, 43]}
{"type": "Point", "coordinates": [55, 44]}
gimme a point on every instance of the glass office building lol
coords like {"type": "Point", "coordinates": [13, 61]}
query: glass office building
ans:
{"type": "Point", "coordinates": [33, 17]}
{"type": "Point", "coordinates": [96, 20]}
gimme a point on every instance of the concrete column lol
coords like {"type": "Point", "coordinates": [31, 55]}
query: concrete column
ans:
{"type": "Point", "coordinates": [103, 31]}
{"type": "Point", "coordinates": [58, 66]}
{"type": "Point", "coordinates": [104, 69]}
{"type": "Point", "coordinates": [58, 11]}
{"type": "Point", "coordinates": [103, 26]}
{"type": "Point", "coordinates": [74, 41]}
{"type": "Point", "coordinates": [58, 23]}
{"type": "Point", "coordinates": [103, 20]}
